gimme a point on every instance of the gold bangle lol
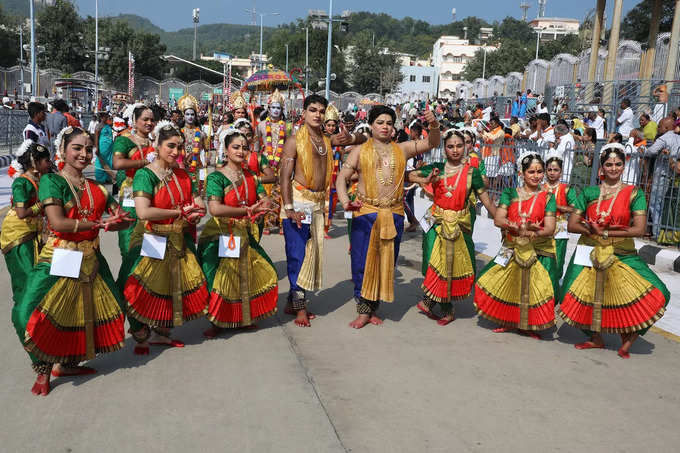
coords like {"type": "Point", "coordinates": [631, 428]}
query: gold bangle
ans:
{"type": "Point", "coordinates": [75, 228]}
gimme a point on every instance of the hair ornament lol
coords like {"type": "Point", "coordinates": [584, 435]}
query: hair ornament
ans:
{"type": "Point", "coordinates": [130, 110]}
{"type": "Point", "coordinates": [23, 148]}
{"type": "Point", "coordinates": [241, 122]}
{"type": "Point", "coordinates": [526, 157]}
{"type": "Point", "coordinates": [165, 126]}
{"type": "Point", "coordinates": [554, 154]}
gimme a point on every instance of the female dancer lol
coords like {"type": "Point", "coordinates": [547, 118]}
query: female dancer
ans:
{"type": "Point", "coordinates": [517, 289]}
{"type": "Point", "coordinates": [618, 293]}
{"type": "Point", "coordinates": [66, 320]}
{"type": "Point", "coordinates": [257, 164]}
{"type": "Point", "coordinates": [244, 288]}
{"type": "Point", "coordinates": [132, 150]}
{"type": "Point", "coordinates": [449, 252]}
{"type": "Point", "coordinates": [169, 289]}
{"type": "Point", "coordinates": [22, 227]}
{"type": "Point", "coordinates": [565, 198]}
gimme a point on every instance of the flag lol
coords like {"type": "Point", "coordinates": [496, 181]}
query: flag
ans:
{"type": "Point", "coordinates": [131, 76]}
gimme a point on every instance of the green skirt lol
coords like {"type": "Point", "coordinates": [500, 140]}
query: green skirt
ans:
{"type": "Point", "coordinates": [20, 261]}
{"type": "Point", "coordinates": [560, 255]}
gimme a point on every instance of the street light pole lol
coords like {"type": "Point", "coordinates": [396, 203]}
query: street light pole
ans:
{"type": "Point", "coordinates": [538, 40]}
{"type": "Point", "coordinates": [195, 14]}
{"type": "Point", "coordinates": [261, 33]}
{"type": "Point", "coordinates": [286, 58]}
{"type": "Point", "coordinates": [484, 64]}
{"type": "Point", "coordinates": [33, 68]}
{"type": "Point", "coordinates": [21, 58]}
{"type": "Point", "coordinates": [306, 61]}
{"type": "Point", "coordinates": [328, 51]}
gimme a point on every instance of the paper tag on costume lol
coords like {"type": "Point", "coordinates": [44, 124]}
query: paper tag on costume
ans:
{"type": "Point", "coordinates": [227, 250]}
{"type": "Point", "coordinates": [202, 174]}
{"type": "Point", "coordinates": [561, 230]}
{"type": "Point", "coordinates": [421, 208]}
{"type": "Point", "coordinates": [306, 209]}
{"type": "Point", "coordinates": [128, 201]}
{"type": "Point", "coordinates": [582, 255]}
{"type": "Point", "coordinates": [349, 214]}
{"type": "Point", "coordinates": [154, 246]}
{"type": "Point", "coordinates": [66, 263]}
{"type": "Point", "coordinates": [504, 256]}
{"type": "Point", "coordinates": [426, 221]}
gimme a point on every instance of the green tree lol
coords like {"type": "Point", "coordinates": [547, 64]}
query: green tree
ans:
{"type": "Point", "coordinates": [636, 23]}
{"type": "Point", "coordinates": [511, 56]}
{"type": "Point", "coordinates": [372, 69]}
{"type": "Point", "coordinates": [513, 29]}
{"type": "Point", "coordinates": [59, 29]}
{"type": "Point", "coordinates": [9, 37]}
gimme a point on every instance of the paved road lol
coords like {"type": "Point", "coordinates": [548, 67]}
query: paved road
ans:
{"type": "Point", "coordinates": [406, 386]}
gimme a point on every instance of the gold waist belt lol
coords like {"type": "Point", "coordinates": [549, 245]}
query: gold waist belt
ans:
{"type": "Point", "coordinates": [380, 202]}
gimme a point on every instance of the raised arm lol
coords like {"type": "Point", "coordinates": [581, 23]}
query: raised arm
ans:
{"type": "Point", "coordinates": [414, 147]}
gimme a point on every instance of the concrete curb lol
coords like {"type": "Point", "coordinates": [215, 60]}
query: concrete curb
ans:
{"type": "Point", "coordinates": [667, 259]}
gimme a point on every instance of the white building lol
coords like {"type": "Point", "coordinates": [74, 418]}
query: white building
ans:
{"type": "Point", "coordinates": [555, 27]}
{"type": "Point", "coordinates": [419, 82]}
{"type": "Point", "coordinates": [248, 66]}
{"type": "Point", "coordinates": [450, 54]}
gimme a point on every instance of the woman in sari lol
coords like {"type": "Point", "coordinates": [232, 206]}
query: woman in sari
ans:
{"type": "Point", "coordinates": [70, 313]}
{"type": "Point", "coordinates": [132, 150]}
{"type": "Point", "coordinates": [20, 237]}
{"type": "Point", "coordinates": [517, 289]}
{"type": "Point", "coordinates": [448, 250]}
{"type": "Point", "coordinates": [165, 288]}
{"type": "Point", "coordinates": [611, 290]}
{"type": "Point", "coordinates": [244, 285]}
{"type": "Point", "coordinates": [565, 197]}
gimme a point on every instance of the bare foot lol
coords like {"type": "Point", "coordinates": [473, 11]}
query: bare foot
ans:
{"type": "Point", "coordinates": [503, 329]}
{"type": "Point", "coordinates": [301, 319]}
{"type": "Point", "coordinates": [375, 320]}
{"type": "Point", "coordinates": [289, 311]}
{"type": "Point", "coordinates": [62, 370]}
{"type": "Point", "coordinates": [628, 340]}
{"type": "Point", "coordinates": [448, 319]}
{"type": "Point", "coordinates": [589, 345]}
{"type": "Point", "coordinates": [42, 385]}
{"type": "Point", "coordinates": [360, 321]}
{"type": "Point", "coordinates": [212, 332]}
{"type": "Point", "coordinates": [164, 340]}
{"type": "Point", "coordinates": [426, 311]}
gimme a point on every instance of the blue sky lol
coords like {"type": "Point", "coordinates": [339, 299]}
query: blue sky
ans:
{"type": "Point", "coordinates": [175, 14]}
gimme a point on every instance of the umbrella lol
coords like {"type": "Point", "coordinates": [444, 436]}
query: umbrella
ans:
{"type": "Point", "coordinates": [268, 80]}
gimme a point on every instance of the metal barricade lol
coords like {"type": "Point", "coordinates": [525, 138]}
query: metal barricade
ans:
{"type": "Point", "coordinates": [12, 123]}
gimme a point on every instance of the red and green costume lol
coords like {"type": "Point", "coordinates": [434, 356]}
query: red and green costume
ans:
{"type": "Point", "coordinates": [164, 293]}
{"type": "Point", "coordinates": [619, 294]}
{"type": "Point", "coordinates": [564, 196]}
{"type": "Point", "coordinates": [20, 238]}
{"type": "Point", "coordinates": [448, 250]}
{"type": "Point", "coordinates": [244, 289]}
{"type": "Point", "coordinates": [68, 320]}
{"type": "Point", "coordinates": [521, 294]}
{"type": "Point", "coordinates": [126, 146]}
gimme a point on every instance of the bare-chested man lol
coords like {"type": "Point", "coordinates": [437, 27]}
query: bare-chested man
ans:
{"type": "Point", "coordinates": [305, 178]}
{"type": "Point", "coordinates": [379, 208]}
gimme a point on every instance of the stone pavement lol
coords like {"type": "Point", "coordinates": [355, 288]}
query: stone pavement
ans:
{"type": "Point", "coordinates": [406, 386]}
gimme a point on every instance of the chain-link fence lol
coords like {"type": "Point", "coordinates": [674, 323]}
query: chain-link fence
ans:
{"type": "Point", "coordinates": [12, 123]}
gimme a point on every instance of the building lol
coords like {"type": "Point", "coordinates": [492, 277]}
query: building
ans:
{"type": "Point", "coordinates": [553, 28]}
{"type": "Point", "coordinates": [419, 82]}
{"type": "Point", "coordinates": [450, 54]}
{"type": "Point", "coordinates": [246, 66]}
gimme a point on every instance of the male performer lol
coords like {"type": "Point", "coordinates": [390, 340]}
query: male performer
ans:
{"type": "Point", "coordinates": [330, 126]}
{"type": "Point", "coordinates": [308, 156]}
{"type": "Point", "coordinates": [194, 139]}
{"type": "Point", "coordinates": [379, 209]}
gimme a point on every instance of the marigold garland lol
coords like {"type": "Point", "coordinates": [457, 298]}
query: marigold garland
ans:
{"type": "Point", "coordinates": [274, 157]}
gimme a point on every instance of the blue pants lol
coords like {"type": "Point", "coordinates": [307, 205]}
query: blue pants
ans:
{"type": "Point", "coordinates": [296, 241]}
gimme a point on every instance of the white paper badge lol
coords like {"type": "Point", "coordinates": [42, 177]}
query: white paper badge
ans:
{"type": "Point", "coordinates": [561, 230]}
{"type": "Point", "coordinates": [66, 263]}
{"type": "Point", "coordinates": [582, 255]}
{"type": "Point", "coordinates": [504, 256]}
{"type": "Point", "coordinates": [128, 203]}
{"type": "Point", "coordinates": [202, 174]}
{"type": "Point", "coordinates": [305, 208]}
{"type": "Point", "coordinates": [349, 214]}
{"type": "Point", "coordinates": [154, 246]}
{"type": "Point", "coordinates": [227, 250]}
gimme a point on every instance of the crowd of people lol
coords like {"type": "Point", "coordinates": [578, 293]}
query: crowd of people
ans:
{"type": "Point", "coordinates": [260, 172]}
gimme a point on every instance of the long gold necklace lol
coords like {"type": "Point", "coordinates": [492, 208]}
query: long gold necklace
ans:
{"type": "Point", "coordinates": [450, 172]}
{"type": "Point", "coordinates": [525, 216]}
{"type": "Point", "coordinates": [386, 161]}
{"type": "Point", "coordinates": [615, 189]}
{"type": "Point", "coordinates": [84, 187]}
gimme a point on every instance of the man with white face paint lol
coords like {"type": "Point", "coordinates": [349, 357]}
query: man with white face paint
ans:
{"type": "Point", "coordinates": [192, 160]}
{"type": "Point", "coordinates": [271, 135]}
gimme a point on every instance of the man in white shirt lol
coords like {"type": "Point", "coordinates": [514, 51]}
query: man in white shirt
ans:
{"type": "Point", "coordinates": [597, 123]}
{"type": "Point", "coordinates": [565, 149]}
{"type": "Point", "coordinates": [625, 120]}
{"type": "Point", "coordinates": [546, 133]}
{"type": "Point", "coordinates": [486, 113]}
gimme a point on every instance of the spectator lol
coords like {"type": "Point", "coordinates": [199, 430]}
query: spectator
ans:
{"type": "Point", "coordinates": [545, 133]}
{"type": "Point", "coordinates": [666, 149]}
{"type": "Point", "coordinates": [514, 110]}
{"type": "Point", "coordinates": [35, 130]}
{"type": "Point", "coordinates": [514, 126]}
{"type": "Point", "coordinates": [565, 148]}
{"type": "Point", "coordinates": [56, 121]}
{"type": "Point", "coordinates": [103, 172]}
{"type": "Point", "coordinates": [625, 119]}
{"type": "Point", "coordinates": [649, 127]}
